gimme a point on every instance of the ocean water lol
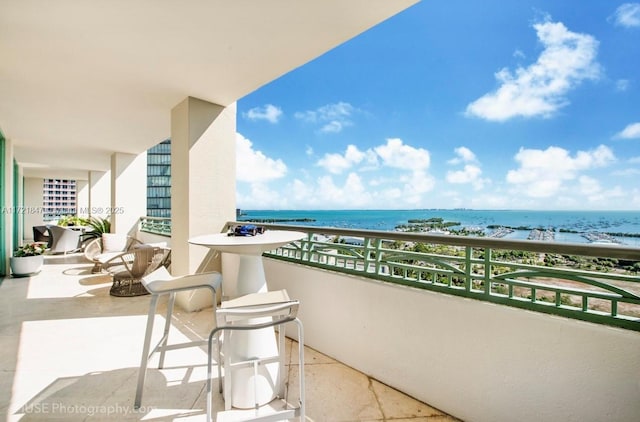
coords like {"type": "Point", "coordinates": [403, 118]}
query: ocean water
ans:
{"type": "Point", "coordinates": [581, 221]}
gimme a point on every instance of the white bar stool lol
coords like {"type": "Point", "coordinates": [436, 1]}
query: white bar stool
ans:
{"type": "Point", "coordinates": [160, 283]}
{"type": "Point", "coordinates": [256, 311]}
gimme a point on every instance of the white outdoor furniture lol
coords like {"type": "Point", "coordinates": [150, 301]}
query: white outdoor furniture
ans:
{"type": "Point", "coordinates": [106, 247]}
{"type": "Point", "coordinates": [128, 268]}
{"type": "Point", "coordinates": [160, 283]}
{"type": "Point", "coordinates": [251, 279]}
{"type": "Point", "coordinates": [240, 317]}
{"type": "Point", "coordinates": [41, 234]}
{"type": "Point", "coordinates": [63, 240]}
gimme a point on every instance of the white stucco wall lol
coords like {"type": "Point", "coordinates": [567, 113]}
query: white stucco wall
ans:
{"type": "Point", "coordinates": [128, 191]}
{"type": "Point", "coordinates": [82, 198]}
{"type": "Point", "coordinates": [32, 201]}
{"type": "Point", "coordinates": [474, 360]}
{"type": "Point", "coordinates": [99, 200]}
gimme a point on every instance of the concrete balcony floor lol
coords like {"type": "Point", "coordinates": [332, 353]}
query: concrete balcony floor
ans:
{"type": "Point", "coordinates": [69, 351]}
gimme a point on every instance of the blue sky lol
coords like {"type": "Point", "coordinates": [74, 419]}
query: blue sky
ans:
{"type": "Point", "coordinates": [456, 104]}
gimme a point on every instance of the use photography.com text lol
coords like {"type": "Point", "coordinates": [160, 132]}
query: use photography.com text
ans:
{"type": "Point", "coordinates": [59, 408]}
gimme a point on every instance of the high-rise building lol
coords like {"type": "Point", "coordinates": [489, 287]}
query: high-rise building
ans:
{"type": "Point", "coordinates": [58, 198]}
{"type": "Point", "coordinates": [159, 180]}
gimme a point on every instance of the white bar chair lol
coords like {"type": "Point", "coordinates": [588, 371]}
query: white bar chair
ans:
{"type": "Point", "coordinates": [159, 283]}
{"type": "Point", "coordinates": [256, 311]}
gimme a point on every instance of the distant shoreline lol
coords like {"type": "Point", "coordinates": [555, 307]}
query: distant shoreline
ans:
{"type": "Point", "coordinates": [280, 220]}
{"type": "Point", "coordinates": [561, 226]}
{"type": "Point", "coordinates": [561, 230]}
{"type": "Point", "coordinates": [453, 224]}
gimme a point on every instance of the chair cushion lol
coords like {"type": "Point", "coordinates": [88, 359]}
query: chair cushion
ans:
{"type": "Point", "coordinates": [253, 299]}
{"type": "Point", "coordinates": [151, 245]}
{"type": "Point", "coordinates": [113, 242]}
{"type": "Point", "coordinates": [103, 258]}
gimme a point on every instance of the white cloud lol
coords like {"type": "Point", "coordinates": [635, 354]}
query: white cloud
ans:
{"type": "Point", "coordinates": [518, 54]}
{"type": "Point", "coordinates": [630, 172]}
{"type": "Point", "coordinates": [253, 166]}
{"type": "Point", "coordinates": [464, 155]}
{"type": "Point", "coordinates": [466, 175]}
{"type": "Point", "coordinates": [329, 192]}
{"type": "Point", "coordinates": [396, 154]}
{"type": "Point", "coordinates": [543, 172]}
{"type": "Point", "coordinates": [470, 174]}
{"type": "Point", "coordinates": [589, 185]}
{"type": "Point", "coordinates": [334, 126]}
{"type": "Point", "coordinates": [591, 189]}
{"type": "Point", "coordinates": [269, 113]}
{"type": "Point", "coordinates": [540, 89]}
{"type": "Point", "coordinates": [627, 14]}
{"type": "Point", "coordinates": [634, 160]}
{"type": "Point", "coordinates": [622, 85]}
{"type": "Point", "coordinates": [261, 196]}
{"type": "Point", "coordinates": [402, 183]}
{"type": "Point", "coordinates": [352, 193]}
{"type": "Point", "coordinates": [418, 183]}
{"type": "Point", "coordinates": [337, 163]}
{"type": "Point", "coordinates": [399, 155]}
{"type": "Point", "coordinates": [632, 131]}
{"type": "Point", "coordinates": [333, 117]}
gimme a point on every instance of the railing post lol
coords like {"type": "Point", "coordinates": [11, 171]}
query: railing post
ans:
{"type": "Point", "coordinates": [468, 254]}
{"type": "Point", "coordinates": [366, 252]}
{"type": "Point", "coordinates": [378, 252]}
{"type": "Point", "coordinates": [487, 271]}
{"type": "Point", "coordinates": [305, 248]}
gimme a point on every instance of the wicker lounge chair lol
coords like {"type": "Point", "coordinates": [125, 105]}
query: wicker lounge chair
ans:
{"type": "Point", "coordinates": [103, 249]}
{"type": "Point", "coordinates": [129, 267]}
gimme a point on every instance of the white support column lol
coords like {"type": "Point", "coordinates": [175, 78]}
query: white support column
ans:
{"type": "Point", "coordinates": [82, 197]}
{"type": "Point", "coordinates": [203, 185]}
{"type": "Point", "coordinates": [128, 191]}
{"type": "Point", "coordinates": [99, 193]}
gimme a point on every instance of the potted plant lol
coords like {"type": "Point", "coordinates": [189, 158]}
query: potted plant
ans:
{"type": "Point", "coordinates": [27, 259]}
{"type": "Point", "coordinates": [72, 220]}
{"type": "Point", "coordinates": [96, 227]}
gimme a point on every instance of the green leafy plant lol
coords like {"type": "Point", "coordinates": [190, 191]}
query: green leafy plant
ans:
{"type": "Point", "coordinates": [97, 226]}
{"type": "Point", "coordinates": [72, 220]}
{"type": "Point", "coordinates": [30, 249]}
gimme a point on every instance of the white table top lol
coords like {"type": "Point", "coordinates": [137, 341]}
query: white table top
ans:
{"type": "Point", "coordinates": [247, 245]}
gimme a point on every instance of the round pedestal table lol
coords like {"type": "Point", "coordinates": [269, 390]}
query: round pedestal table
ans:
{"type": "Point", "coordinates": [255, 343]}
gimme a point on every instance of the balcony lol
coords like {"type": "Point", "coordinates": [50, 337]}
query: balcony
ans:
{"type": "Point", "coordinates": [70, 352]}
{"type": "Point", "coordinates": [525, 342]}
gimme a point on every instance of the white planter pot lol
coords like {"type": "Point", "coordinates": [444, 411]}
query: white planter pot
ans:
{"type": "Point", "coordinates": [26, 265]}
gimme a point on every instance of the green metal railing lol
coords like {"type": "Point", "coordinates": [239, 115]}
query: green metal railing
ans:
{"type": "Point", "coordinates": [156, 225]}
{"type": "Point", "coordinates": [595, 283]}
{"type": "Point", "coordinates": [590, 282]}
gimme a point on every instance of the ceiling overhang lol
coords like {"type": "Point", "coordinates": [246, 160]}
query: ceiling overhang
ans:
{"type": "Point", "coordinates": [80, 80]}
